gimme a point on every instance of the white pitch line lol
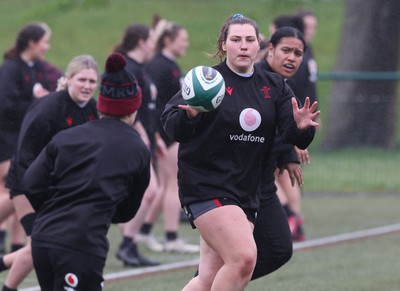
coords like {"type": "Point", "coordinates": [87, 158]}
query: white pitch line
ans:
{"type": "Point", "coordinates": [150, 270]}
{"type": "Point", "coordinates": [315, 243]}
{"type": "Point", "coordinates": [345, 237]}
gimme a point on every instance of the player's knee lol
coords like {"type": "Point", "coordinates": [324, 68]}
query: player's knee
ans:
{"type": "Point", "coordinates": [245, 261]}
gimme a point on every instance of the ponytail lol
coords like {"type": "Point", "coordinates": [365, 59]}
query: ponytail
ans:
{"type": "Point", "coordinates": [30, 32]}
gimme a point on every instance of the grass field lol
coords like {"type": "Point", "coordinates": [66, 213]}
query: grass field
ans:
{"type": "Point", "coordinates": [362, 170]}
{"type": "Point", "coordinates": [366, 265]}
{"type": "Point", "coordinates": [363, 265]}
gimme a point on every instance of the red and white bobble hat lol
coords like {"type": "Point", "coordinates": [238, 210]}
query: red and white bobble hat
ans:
{"type": "Point", "coordinates": [119, 93]}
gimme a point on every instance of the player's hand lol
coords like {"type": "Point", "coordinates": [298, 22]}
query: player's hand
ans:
{"type": "Point", "coordinates": [39, 91]}
{"type": "Point", "coordinates": [303, 155]}
{"type": "Point", "coordinates": [295, 173]}
{"type": "Point", "coordinates": [190, 111]}
{"type": "Point", "coordinates": [305, 117]}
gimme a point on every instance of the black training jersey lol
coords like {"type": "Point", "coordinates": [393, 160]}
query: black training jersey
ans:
{"type": "Point", "coordinates": [147, 111]}
{"type": "Point", "coordinates": [44, 119]}
{"type": "Point", "coordinates": [166, 75]}
{"type": "Point", "coordinates": [282, 153]}
{"type": "Point", "coordinates": [17, 79]}
{"type": "Point", "coordinates": [86, 178]}
{"type": "Point", "coordinates": [223, 152]}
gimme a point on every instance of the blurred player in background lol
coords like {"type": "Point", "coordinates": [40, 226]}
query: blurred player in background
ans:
{"type": "Point", "coordinates": [172, 40]}
{"type": "Point", "coordinates": [72, 105]}
{"type": "Point", "coordinates": [138, 46]}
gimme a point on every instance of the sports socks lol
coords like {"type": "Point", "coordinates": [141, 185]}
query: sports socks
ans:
{"type": "Point", "coordinates": [146, 228]}
{"type": "Point", "coordinates": [171, 235]}
{"type": "Point", "coordinates": [2, 235]}
{"type": "Point", "coordinates": [2, 241]}
{"type": "Point", "coordinates": [5, 288]}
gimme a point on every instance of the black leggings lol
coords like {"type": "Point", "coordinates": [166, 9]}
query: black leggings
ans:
{"type": "Point", "coordinates": [272, 236]}
{"type": "Point", "coordinates": [63, 269]}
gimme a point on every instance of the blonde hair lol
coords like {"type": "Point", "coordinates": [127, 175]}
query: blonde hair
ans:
{"type": "Point", "coordinates": [76, 65]}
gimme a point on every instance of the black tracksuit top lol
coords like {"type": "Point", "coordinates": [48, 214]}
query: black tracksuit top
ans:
{"type": "Point", "coordinates": [166, 75]}
{"type": "Point", "coordinates": [44, 119]}
{"type": "Point", "coordinates": [282, 153]}
{"type": "Point", "coordinates": [16, 95]}
{"type": "Point", "coordinates": [223, 153]}
{"type": "Point", "coordinates": [86, 178]}
{"type": "Point", "coordinates": [147, 111]}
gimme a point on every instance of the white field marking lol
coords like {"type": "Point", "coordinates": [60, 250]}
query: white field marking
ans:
{"type": "Point", "coordinates": [301, 246]}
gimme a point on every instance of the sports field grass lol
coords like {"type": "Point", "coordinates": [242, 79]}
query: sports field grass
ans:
{"type": "Point", "coordinates": [366, 265]}
{"type": "Point", "coordinates": [362, 265]}
{"type": "Point", "coordinates": [361, 170]}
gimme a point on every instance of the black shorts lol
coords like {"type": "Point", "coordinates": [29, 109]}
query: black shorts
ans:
{"type": "Point", "coordinates": [196, 209]}
{"type": "Point", "coordinates": [60, 268]}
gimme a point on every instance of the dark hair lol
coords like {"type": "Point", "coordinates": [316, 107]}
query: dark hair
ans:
{"type": "Point", "coordinates": [289, 20]}
{"type": "Point", "coordinates": [164, 29]}
{"type": "Point", "coordinates": [30, 32]}
{"type": "Point", "coordinates": [263, 44]}
{"type": "Point", "coordinates": [133, 34]}
{"type": "Point", "coordinates": [233, 19]}
{"type": "Point", "coordinates": [287, 32]}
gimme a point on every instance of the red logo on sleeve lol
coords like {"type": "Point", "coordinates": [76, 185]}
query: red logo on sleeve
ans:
{"type": "Point", "coordinates": [229, 90]}
{"type": "Point", "coordinates": [69, 120]}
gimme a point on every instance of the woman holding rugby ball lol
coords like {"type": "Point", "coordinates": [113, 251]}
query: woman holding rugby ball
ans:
{"type": "Point", "coordinates": [218, 180]}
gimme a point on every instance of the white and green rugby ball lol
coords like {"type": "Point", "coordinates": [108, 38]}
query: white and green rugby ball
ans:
{"type": "Point", "coordinates": [203, 88]}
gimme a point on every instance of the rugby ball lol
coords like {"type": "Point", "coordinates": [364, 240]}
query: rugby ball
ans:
{"type": "Point", "coordinates": [203, 88]}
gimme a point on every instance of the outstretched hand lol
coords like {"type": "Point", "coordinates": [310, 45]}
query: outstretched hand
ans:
{"type": "Point", "coordinates": [305, 117]}
{"type": "Point", "coordinates": [190, 111]}
{"type": "Point", "coordinates": [303, 155]}
{"type": "Point", "coordinates": [295, 173]}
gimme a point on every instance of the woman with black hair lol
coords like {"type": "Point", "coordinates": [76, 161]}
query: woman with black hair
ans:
{"type": "Point", "coordinates": [272, 233]}
{"type": "Point", "coordinates": [24, 76]}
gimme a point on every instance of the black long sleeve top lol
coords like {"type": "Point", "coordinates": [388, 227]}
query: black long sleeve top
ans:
{"type": "Point", "coordinates": [45, 118]}
{"type": "Point", "coordinates": [17, 79]}
{"type": "Point", "coordinates": [166, 75]}
{"type": "Point", "coordinates": [223, 153]}
{"type": "Point", "coordinates": [86, 178]}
